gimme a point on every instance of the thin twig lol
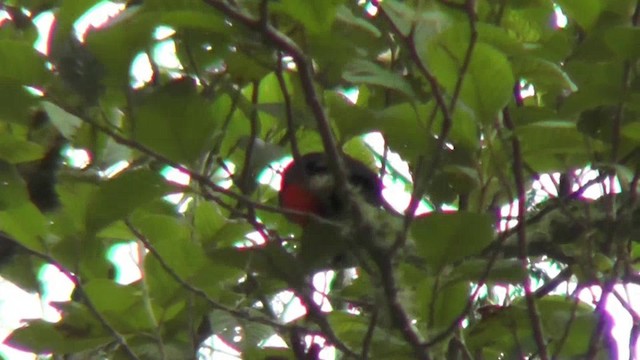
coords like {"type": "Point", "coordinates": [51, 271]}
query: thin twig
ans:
{"type": "Point", "coordinates": [551, 285]}
{"type": "Point", "coordinates": [565, 334]}
{"type": "Point", "coordinates": [436, 89]}
{"type": "Point", "coordinates": [202, 179]}
{"type": "Point", "coordinates": [291, 131]}
{"type": "Point", "coordinates": [480, 283]}
{"type": "Point", "coordinates": [368, 337]}
{"type": "Point", "coordinates": [470, 9]}
{"type": "Point", "coordinates": [120, 339]}
{"type": "Point", "coordinates": [246, 177]}
{"type": "Point", "coordinates": [201, 293]}
{"type": "Point", "coordinates": [316, 315]}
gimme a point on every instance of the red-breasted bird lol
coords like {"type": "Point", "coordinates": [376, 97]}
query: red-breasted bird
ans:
{"type": "Point", "coordinates": [308, 186]}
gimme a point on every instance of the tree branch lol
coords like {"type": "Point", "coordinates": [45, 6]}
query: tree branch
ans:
{"type": "Point", "coordinates": [199, 292]}
{"type": "Point", "coordinates": [305, 70]}
{"type": "Point", "coordinates": [518, 165]}
{"type": "Point", "coordinates": [120, 339]}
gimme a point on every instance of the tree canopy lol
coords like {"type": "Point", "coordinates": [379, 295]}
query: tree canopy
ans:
{"type": "Point", "coordinates": [480, 98]}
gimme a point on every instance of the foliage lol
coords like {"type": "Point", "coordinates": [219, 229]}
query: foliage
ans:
{"type": "Point", "coordinates": [441, 80]}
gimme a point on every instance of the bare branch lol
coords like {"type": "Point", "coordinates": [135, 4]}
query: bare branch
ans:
{"type": "Point", "coordinates": [518, 166]}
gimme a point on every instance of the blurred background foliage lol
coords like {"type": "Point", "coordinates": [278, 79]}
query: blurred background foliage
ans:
{"type": "Point", "coordinates": [470, 104]}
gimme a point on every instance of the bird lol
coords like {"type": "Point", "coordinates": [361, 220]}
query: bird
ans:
{"type": "Point", "coordinates": [308, 186]}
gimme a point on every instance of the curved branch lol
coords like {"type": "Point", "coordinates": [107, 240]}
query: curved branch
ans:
{"type": "Point", "coordinates": [305, 69]}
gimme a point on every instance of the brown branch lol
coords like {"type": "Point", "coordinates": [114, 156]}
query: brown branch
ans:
{"type": "Point", "coordinates": [291, 131]}
{"type": "Point", "coordinates": [454, 324]}
{"type": "Point", "coordinates": [199, 292]}
{"type": "Point", "coordinates": [548, 287]}
{"type": "Point", "coordinates": [316, 315]}
{"type": "Point", "coordinates": [305, 70]}
{"type": "Point", "coordinates": [419, 183]}
{"type": "Point", "coordinates": [245, 179]}
{"type": "Point", "coordinates": [518, 166]}
{"type": "Point", "coordinates": [601, 311]}
{"type": "Point", "coordinates": [470, 9]}
{"type": "Point", "coordinates": [567, 328]}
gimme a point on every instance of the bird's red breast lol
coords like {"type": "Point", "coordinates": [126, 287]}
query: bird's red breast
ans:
{"type": "Point", "coordinates": [296, 197]}
{"type": "Point", "coordinates": [307, 186]}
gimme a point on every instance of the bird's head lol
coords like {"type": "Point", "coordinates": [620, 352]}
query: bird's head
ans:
{"type": "Point", "coordinates": [308, 186]}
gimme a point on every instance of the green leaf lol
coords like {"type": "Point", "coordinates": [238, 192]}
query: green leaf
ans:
{"type": "Point", "coordinates": [551, 137]}
{"type": "Point", "coordinates": [442, 306]}
{"type": "Point", "coordinates": [384, 344]}
{"type": "Point", "coordinates": [26, 65]}
{"type": "Point", "coordinates": [176, 122]}
{"type": "Point", "coordinates": [444, 238]}
{"type": "Point", "coordinates": [26, 224]}
{"type": "Point", "coordinates": [366, 72]}
{"type": "Point", "coordinates": [268, 352]}
{"type": "Point", "coordinates": [22, 270]}
{"type": "Point", "coordinates": [118, 197]}
{"type": "Point", "coordinates": [584, 12]}
{"type": "Point", "coordinates": [400, 14]}
{"type": "Point", "coordinates": [351, 120]}
{"type": "Point", "coordinates": [624, 41]}
{"type": "Point", "coordinates": [528, 24]}
{"type": "Point", "coordinates": [208, 219]}
{"type": "Point", "coordinates": [42, 337]}
{"type": "Point", "coordinates": [488, 87]}
{"type": "Point", "coordinates": [107, 296]}
{"type": "Point", "coordinates": [503, 330]}
{"type": "Point", "coordinates": [632, 131]}
{"type": "Point", "coordinates": [68, 13]}
{"type": "Point", "coordinates": [462, 179]}
{"type": "Point", "coordinates": [501, 271]}
{"type": "Point", "coordinates": [488, 82]}
{"type": "Point", "coordinates": [543, 74]}
{"type": "Point", "coordinates": [228, 234]}
{"type": "Point", "coordinates": [554, 145]}
{"type": "Point", "coordinates": [171, 240]}
{"type": "Point", "coordinates": [568, 322]}
{"type": "Point", "coordinates": [499, 38]}
{"type": "Point", "coordinates": [16, 102]}
{"type": "Point", "coordinates": [317, 16]}
{"type": "Point", "coordinates": [246, 67]}
{"type": "Point", "coordinates": [568, 325]}
{"type": "Point", "coordinates": [404, 128]}
{"type": "Point", "coordinates": [116, 43]}
{"type": "Point", "coordinates": [14, 150]}
{"type": "Point", "coordinates": [464, 128]}
{"type": "Point", "coordinates": [68, 124]}
{"type": "Point", "coordinates": [122, 305]}
{"type": "Point", "coordinates": [345, 16]}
